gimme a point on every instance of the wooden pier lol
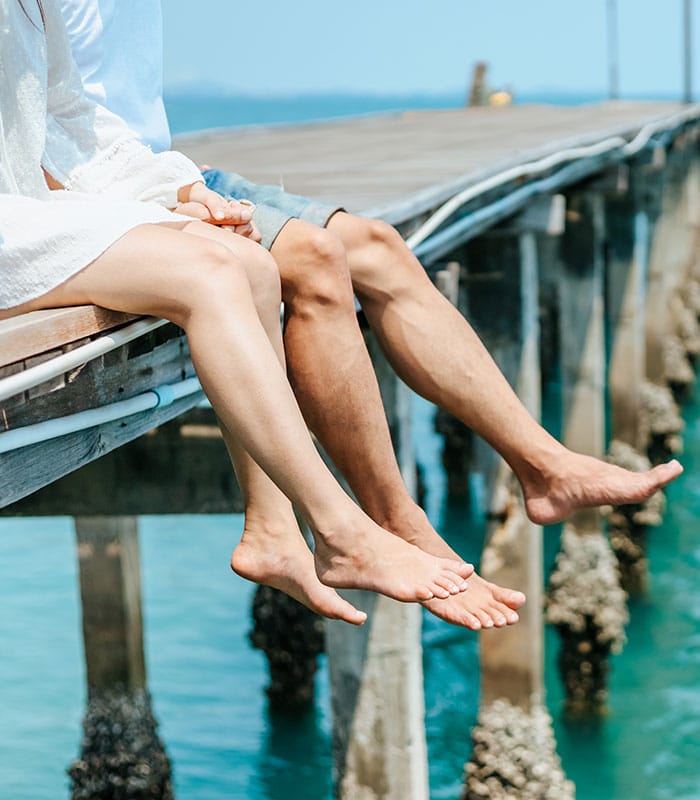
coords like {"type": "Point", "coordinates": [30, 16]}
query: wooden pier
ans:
{"type": "Point", "coordinates": [568, 237]}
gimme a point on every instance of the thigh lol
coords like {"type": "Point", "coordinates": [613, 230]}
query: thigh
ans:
{"type": "Point", "coordinates": [152, 269]}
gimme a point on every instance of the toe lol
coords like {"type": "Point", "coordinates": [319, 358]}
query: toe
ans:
{"type": "Point", "coordinates": [452, 582]}
{"type": "Point", "coordinates": [427, 593]}
{"type": "Point", "coordinates": [498, 617]}
{"type": "Point", "coordinates": [442, 587]}
{"type": "Point", "coordinates": [667, 472]}
{"type": "Point", "coordinates": [509, 597]}
{"type": "Point", "coordinates": [348, 613]}
{"type": "Point", "coordinates": [458, 568]}
{"type": "Point", "coordinates": [471, 622]}
{"type": "Point", "coordinates": [484, 618]}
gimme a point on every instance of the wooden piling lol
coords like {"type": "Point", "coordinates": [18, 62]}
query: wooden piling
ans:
{"type": "Point", "coordinates": [503, 305]}
{"type": "Point", "coordinates": [121, 752]}
{"type": "Point", "coordinates": [582, 612]}
{"type": "Point", "coordinates": [379, 743]}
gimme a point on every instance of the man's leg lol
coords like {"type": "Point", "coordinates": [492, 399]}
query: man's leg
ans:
{"type": "Point", "coordinates": [436, 352]}
{"type": "Point", "coordinates": [336, 387]}
{"type": "Point", "coordinates": [330, 367]}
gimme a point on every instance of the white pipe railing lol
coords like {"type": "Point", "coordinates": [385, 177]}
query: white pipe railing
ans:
{"type": "Point", "coordinates": [159, 396]}
{"type": "Point", "coordinates": [14, 384]}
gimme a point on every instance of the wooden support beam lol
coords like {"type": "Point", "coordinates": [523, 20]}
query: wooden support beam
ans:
{"type": "Point", "coordinates": [121, 752]}
{"type": "Point", "coordinates": [504, 309]}
{"type": "Point", "coordinates": [582, 331]}
{"type": "Point", "coordinates": [584, 594]}
{"type": "Point", "coordinates": [110, 590]}
{"type": "Point", "coordinates": [627, 264]}
{"type": "Point", "coordinates": [379, 741]}
{"type": "Point", "coordinates": [673, 241]}
{"type": "Point", "coordinates": [544, 214]}
{"type": "Point", "coordinates": [179, 467]}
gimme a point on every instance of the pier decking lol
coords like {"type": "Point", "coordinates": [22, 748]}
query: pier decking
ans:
{"type": "Point", "coordinates": [589, 244]}
{"type": "Point", "coordinates": [399, 166]}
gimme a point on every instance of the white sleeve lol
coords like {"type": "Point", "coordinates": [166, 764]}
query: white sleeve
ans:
{"type": "Point", "coordinates": [89, 149]}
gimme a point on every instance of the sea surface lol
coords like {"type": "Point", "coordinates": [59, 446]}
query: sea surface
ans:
{"type": "Point", "coordinates": [207, 682]}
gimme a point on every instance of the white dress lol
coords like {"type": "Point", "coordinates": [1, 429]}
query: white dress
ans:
{"type": "Point", "coordinates": [113, 183]}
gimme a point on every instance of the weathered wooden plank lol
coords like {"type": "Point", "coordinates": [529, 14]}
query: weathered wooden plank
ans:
{"type": "Point", "coordinates": [181, 467]}
{"type": "Point", "coordinates": [398, 166]}
{"type": "Point", "coordinates": [39, 331]}
{"type": "Point", "coordinates": [100, 381]}
{"type": "Point", "coordinates": [26, 470]}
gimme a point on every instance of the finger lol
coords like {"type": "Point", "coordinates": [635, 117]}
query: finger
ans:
{"type": "Point", "coordinates": [218, 207]}
{"type": "Point", "coordinates": [243, 230]}
{"type": "Point", "coordinates": [256, 236]}
{"type": "Point", "coordinates": [241, 211]}
{"type": "Point", "coordinates": [195, 210]}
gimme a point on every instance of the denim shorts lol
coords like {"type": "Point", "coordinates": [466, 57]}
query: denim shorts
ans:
{"type": "Point", "coordinates": [274, 206]}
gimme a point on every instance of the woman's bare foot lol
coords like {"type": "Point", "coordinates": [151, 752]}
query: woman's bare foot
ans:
{"type": "Point", "coordinates": [375, 559]}
{"type": "Point", "coordinates": [283, 560]}
{"type": "Point", "coordinates": [482, 604]}
{"type": "Point", "coordinates": [571, 481]}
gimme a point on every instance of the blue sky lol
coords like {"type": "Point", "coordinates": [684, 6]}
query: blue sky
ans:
{"type": "Point", "coordinates": [386, 46]}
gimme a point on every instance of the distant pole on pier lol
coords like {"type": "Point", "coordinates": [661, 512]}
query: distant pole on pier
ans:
{"type": "Point", "coordinates": [613, 52]}
{"type": "Point", "coordinates": [687, 53]}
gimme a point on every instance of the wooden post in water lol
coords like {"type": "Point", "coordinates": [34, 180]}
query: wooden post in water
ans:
{"type": "Point", "coordinates": [503, 306]}
{"type": "Point", "coordinates": [584, 600]}
{"type": "Point", "coordinates": [629, 220]}
{"type": "Point", "coordinates": [672, 242]}
{"type": "Point", "coordinates": [376, 671]}
{"type": "Point", "coordinates": [121, 752]}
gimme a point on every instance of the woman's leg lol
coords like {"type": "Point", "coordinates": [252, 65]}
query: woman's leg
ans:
{"type": "Point", "coordinates": [201, 286]}
{"type": "Point", "coordinates": [272, 550]}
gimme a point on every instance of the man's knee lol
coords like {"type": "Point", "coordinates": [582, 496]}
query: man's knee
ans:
{"type": "Point", "coordinates": [314, 268]}
{"type": "Point", "coordinates": [381, 235]}
{"type": "Point", "coordinates": [380, 261]}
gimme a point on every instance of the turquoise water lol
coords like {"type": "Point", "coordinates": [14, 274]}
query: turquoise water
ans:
{"type": "Point", "coordinates": [207, 682]}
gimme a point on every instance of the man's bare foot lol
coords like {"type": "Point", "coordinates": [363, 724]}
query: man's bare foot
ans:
{"type": "Point", "coordinates": [482, 604]}
{"type": "Point", "coordinates": [283, 560]}
{"type": "Point", "coordinates": [372, 558]}
{"type": "Point", "coordinates": [573, 481]}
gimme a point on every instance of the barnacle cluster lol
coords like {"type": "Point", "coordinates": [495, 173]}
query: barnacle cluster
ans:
{"type": "Point", "coordinates": [587, 604]}
{"type": "Point", "coordinates": [514, 756]}
{"type": "Point", "coordinates": [291, 636]}
{"type": "Point", "coordinates": [627, 525]}
{"type": "Point", "coordinates": [121, 754]}
{"type": "Point", "coordinates": [585, 586]}
{"type": "Point", "coordinates": [660, 421]}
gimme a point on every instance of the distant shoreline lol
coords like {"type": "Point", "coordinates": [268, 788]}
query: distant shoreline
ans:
{"type": "Point", "coordinates": [189, 111]}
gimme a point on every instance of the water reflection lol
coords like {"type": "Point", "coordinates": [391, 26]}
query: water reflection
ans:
{"type": "Point", "coordinates": [295, 759]}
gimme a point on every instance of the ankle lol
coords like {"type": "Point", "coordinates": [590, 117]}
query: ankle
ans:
{"type": "Point", "coordinates": [408, 522]}
{"type": "Point", "coordinates": [271, 522]}
{"type": "Point", "coordinates": [540, 465]}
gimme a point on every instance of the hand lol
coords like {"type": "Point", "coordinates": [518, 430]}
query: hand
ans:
{"type": "Point", "coordinates": [220, 211]}
{"type": "Point", "coordinates": [250, 231]}
{"type": "Point", "coordinates": [201, 212]}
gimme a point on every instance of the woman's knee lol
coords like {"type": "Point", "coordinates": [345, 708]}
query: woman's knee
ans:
{"type": "Point", "coordinates": [263, 276]}
{"type": "Point", "coordinates": [210, 277]}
